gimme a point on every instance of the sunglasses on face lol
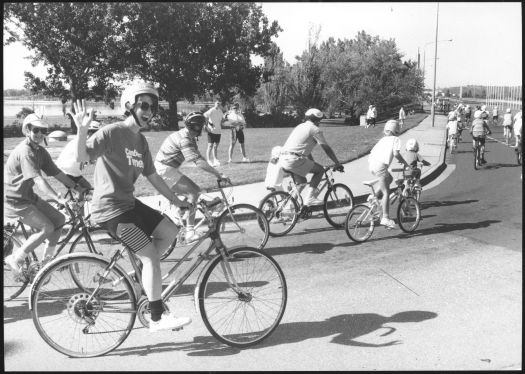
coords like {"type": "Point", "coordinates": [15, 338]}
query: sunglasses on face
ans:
{"type": "Point", "coordinates": [145, 106]}
{"type": "Point", "coordinates": [36, 130]}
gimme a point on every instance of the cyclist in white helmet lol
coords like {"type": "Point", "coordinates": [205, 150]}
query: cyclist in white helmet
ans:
{"type": "Point", "coordinates": [122, 153]}
{"type": "Point", "coordinates": [412, 158]}
{"type": "Point", "coordinates": [296, 153]}
{"type": "Point", "coordinates": [22, 171]}
{"type": "Point", "coordinates": [479, 130]}
{"type": "Point", "coordinates": [380, 159]}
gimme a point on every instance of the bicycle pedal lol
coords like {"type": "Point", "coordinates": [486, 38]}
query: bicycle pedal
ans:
{"type": "Point", "coordinates": [178, 329]}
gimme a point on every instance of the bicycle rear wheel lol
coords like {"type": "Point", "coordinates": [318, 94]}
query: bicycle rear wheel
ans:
{"type": "Point", "coordinates": [246, 225]}
{"type": "Point", "coordinates": [14, 285]}
{"type": "Point", "coordinates": [408, 214]}
{"type": "Point", "coordinates": [338, 201]}
{"type": "Point", "coordinates": [359, 223]}
{"type": "Point", "coordinates": [281, 211]}
{"type": "Point", "coordinates": [476, 158]}
{"type": "Point", "coordinates": [242, 300]}
{"type": "Point", "coordinates": [76, 321]}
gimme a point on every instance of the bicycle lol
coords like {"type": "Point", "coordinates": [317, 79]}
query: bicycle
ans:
{"type": "Point", "coordinates": [477, 153]}
{"type": "Point", "coordinates": [14, 234]}
{"type": "Point", "coordinates": [411, 188]}
{"type": "Point", "coordinates": [361, 219]}
{"type": "Point", "coordinates": [519, 152]}
{"type": "Point", "coordinates": [85, 305]}
{"type": "Point", "coordinates": [284, 209]}
{"type": "Point", "coordinates": [453, 142]}
{"type": "Point", "coordinates": [238, 224]}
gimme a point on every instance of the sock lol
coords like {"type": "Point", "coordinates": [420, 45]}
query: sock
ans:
{"type": "Point", "coordinates": [156, 309]}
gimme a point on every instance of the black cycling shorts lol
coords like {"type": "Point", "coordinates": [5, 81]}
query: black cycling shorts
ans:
{"type": "Point", "coordinates": [144, 218]}
{"type": "Point", "coordinates": [480, 139]}
{"type": "Point", "coordinates": [238, 135]}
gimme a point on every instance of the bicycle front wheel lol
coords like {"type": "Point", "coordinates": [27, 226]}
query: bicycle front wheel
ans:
{"type": "Point", "coordinates": [282, 212]}
{"type": "Point", "coordinates": [359, 224]}
{"type": "Point", "coordinates": [408, 214]}
{"type": "Point", "coordinates": [77, 321]}
{"type": "Point", "coordinates": [243, 224]}
{"type": "Point", "coordinates": [338, 201]}
{"type": "Point", "coordinates": [242, 300]}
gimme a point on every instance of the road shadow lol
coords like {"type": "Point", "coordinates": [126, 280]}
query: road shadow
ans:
{"type": "Point", "coordinates": [313, 248]}
{"type": "Point", "coordinates": [440, 203]}
{"type": "Point", "coordinates": [438, 228]}
{"type": "Point", "coordinates": [346, 328]}
{"type": "Point", "coordinates": [14, 311]}
{"type": "Point", "coordinates": [490, 166]}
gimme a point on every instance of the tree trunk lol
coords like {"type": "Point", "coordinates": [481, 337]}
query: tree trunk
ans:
{"type": "Point", "coordinates": [173, 123]}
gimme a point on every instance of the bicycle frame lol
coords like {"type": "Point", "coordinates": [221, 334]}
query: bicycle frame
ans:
{"type": "Point", "coordinates": [327, 180]}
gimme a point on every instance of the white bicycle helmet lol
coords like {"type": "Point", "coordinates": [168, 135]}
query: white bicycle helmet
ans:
{"type": "Point", "coordinates": [477, 114]}
{"type": "Point", "coordinates": [314, 114]}
{"type": "Point", "coordinates": [412, 145]}
{"type": "Point", "coordinates": [508, 110]}
{"type": "Point", "coordinates": [34, 120]}
{"type": "Point", "coordinates": [130, 95]}
{"type": "Point", "coordinates": [392, 125]}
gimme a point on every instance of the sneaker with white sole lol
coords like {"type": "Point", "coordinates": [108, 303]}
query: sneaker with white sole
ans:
{"type": "Point", "coordinates": [192, 236]}
{"type": "Point", "coordinates": [313, 201]}
{"type": "Point", "coordinates": [245, 159]}
{"type": "Point", "coordinates": [16, 267]}
{"type": "Point", "coordinates": [217, 163]}
{"type": "Point", "coordinates": [387, 222]}
{"type": "Point", "coordinates": [169, 322]}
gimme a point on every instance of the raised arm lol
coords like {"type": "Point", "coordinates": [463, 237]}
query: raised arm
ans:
{"type": "Point", "coordinates": [82, 119]}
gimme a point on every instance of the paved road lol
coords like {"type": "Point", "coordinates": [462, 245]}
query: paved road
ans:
{"type": "Point", "coordinates": [447, 297]}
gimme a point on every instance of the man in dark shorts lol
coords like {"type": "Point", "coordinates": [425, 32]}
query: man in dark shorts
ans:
{"type": "Point", "coordinates": [215, 118]}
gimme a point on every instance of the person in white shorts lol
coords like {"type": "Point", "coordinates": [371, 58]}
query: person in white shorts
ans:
{"type": "Point", "coordinates": [215, 118]}
{"type": "Point", "coordinates": [380, 159]}
{"type": "Point", "coordinates": [296, 154]}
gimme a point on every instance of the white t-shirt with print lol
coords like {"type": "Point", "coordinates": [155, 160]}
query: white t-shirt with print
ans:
{"type": "Point", "coordinates": [215, 115]}
{"type": "Point", "coordinates": [383, 152]}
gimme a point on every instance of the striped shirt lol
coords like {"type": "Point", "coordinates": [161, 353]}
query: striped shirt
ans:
{"type": "Point", "coordinates": [177, 148]}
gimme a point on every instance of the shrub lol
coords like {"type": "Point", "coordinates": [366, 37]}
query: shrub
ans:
{"type": "Point", "coordinates": [160, 121]}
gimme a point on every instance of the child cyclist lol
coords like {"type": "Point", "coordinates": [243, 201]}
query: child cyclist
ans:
{"type": "Point", "coordinates": [380, 159]}
{"type": "Point", "coordinates": [122, 153]}
{"type": "Point", "coordinates": [452, 129]}
{"type": "Point", "coordinates": [412, 157]}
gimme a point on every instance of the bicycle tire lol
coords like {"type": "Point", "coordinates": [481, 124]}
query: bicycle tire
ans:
{"type": "Point", "coordinates": [273, 206]}
{"type": "Point", "coordinates": [341, 202]}
{"type": "Point", "coordinates": [359, 223]}
{"type": "Point", "coordinates": [247, 227]}
{"type": "Point", "coordinates": [70, 224]}
{"type": "Point", "coordinates": [249, 315]}
{"type": "Point", "coordinates": [408, 214]}
{"type": "Point", "coordinates": [61, 313]}
{"type": "Point", "coordinates": [476, 156]}
{"type": "Point", "coordinates": [14, 286]}
{"type": "Point", "coordinates": [518, 156]}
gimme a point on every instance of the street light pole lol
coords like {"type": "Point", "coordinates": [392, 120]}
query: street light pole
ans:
{"type": "Point", "coordinates": [435, 65]}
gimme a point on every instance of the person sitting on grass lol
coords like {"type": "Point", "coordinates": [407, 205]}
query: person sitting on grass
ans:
{"type": "Point", "coordinates": [380, 159]}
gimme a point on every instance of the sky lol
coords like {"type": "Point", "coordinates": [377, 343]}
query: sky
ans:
{"type": "Point", "coordinates": [486, 46]}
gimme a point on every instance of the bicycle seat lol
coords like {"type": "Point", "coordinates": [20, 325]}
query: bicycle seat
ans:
{"type": "Point", "coordinates": [371, 182]}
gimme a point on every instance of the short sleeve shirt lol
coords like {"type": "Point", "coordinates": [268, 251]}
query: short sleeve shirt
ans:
{"type": "Point", "coordinates": [122, 155]}
{"type": "Point", "coordinates": [303, 139]}
{"type": "Point", "coordinates": [452, 127]}
{"type": "Point", "coordinates": [402, 114]}
{"type": "Point", "coordinates": [234, 116]}
{"type": "Point", "coordinates": [215, 115]}
{"type": "Point", "coordinates": [412, 158]}
{"type": "Point", "coordinates": [177, 148]}
{"type": "Point", "coordinates": [23, 164]}
{"type": "Point", "coordinates": [383, 152]}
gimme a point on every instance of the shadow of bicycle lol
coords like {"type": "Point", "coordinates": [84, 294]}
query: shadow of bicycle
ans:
{"type": "Point", "coordinates": [346, 330]}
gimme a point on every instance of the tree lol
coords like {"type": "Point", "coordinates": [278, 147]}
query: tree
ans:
{"type": "Point", "coordinates": [195, 48]}
{"type": "Point", "coordinates": [77, 41]}
{"type": "Point", "coordinates": [272, 94]}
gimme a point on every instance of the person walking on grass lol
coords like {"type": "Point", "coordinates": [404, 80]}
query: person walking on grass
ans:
{"type": "Point", "coordinates": [402, 117]}
{"type": "Point", "coordinates": [122, 154]}
{"type": "Point", "coordinates": [213, 125]}
{"type": "Point", "coordinates": [237, 123]}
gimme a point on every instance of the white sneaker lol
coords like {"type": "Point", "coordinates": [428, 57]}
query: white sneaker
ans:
{"type": "Point", "coordinates": [229, 161]}
{"type": "Point", "coordinates": [313, 201]}
{"type": "Point", "coordinates": [245, 159]}
{"type": "Point", "coordinates": [169, 322]}
{"type": "Point", "coordinates": [387, 222]}
{"type": "Point", "coordinates": [192, 236]}
{"type": "Point", "coordinates": [16, 267]}
{"type": "Point", "coordinates": [216, 163]}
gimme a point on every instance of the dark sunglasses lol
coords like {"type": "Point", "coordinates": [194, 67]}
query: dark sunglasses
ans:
{"type": "Point", "coordinates": [36, 130]}
{"type": "Point", "coordinates": [145, 106]}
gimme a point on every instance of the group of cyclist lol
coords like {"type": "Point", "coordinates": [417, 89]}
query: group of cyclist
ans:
{"type": "Point", "coordinates": [459, 118]}
{"type": "Point", "coordinates": [121, 153]}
